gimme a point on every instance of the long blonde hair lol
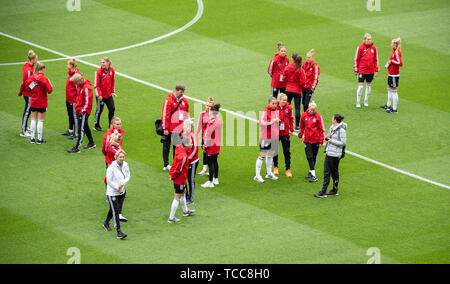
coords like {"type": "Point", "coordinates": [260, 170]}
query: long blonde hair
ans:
{"type": "Point", "coordinates": [398, 42]}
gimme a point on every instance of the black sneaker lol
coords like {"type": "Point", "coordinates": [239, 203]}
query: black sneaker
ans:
{"type": "Point", "coordinates": [98, 128]}
{"type": "Point", "coordinates": [73, 150]}
{"type": "Point", "coordinates": [121, 235]}
{"type": "Point", "coordinates": [67, 133]}
{"type": "Point", "coordinates": [72, 137]}
{"type": "Point", "coordinates": [313, 179]}
{"type": "Point", "coordinates": [320, 195]}
{"type": "Point", "coordinates": [308, 176]}
{"type": "Point", "coordinates": [41, 141]}
{"type": "Point", "coordinates": [90, 146]}
{"type": "Point", "coordinates": [391, 110]}
{"type": "Point", "coordinates": [384, 107]}
{"type": "Point", "coordinates": [332, 193]}
{"type": "Point", "coordinates": [107, 227]}
{"type": "Point", "coordinates": [32, 141]}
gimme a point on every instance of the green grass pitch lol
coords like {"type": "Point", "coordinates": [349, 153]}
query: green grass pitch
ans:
{"type": "Point", "coordinates": [52, 201]}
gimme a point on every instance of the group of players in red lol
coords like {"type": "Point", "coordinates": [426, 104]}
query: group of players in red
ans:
{"type": "Point", "coordinates": [289, 81]}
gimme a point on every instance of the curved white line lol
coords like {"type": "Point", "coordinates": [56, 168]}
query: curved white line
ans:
{"type": "Point", "coordinates": [183, 28]}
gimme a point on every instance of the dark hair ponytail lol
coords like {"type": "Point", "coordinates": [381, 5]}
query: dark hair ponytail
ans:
{"type": "Point", "coordinates": [339, 118]}
{"type": "Point", "coordinates": [298, 60]}
{"type": "Point", "coordinates": [215, 108]}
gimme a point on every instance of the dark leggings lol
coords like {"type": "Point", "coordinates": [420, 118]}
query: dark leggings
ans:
{"type": "Point", "coordinates": [26, 113]}
{"type": "Point", "coordinates": [306, 98]}
{"type": "Point", "coordinates": [191, 182]}
{"type": "Point", "coordinates": [298, 103]}
{"type": "Point", "coordinates": [100, 105]}
{"type": "Point", "coordinates": [73, 121]}
{"type": "Point", "coordinates": [213, 167]}
{"type": "Point", "coordinates": [286, 142]}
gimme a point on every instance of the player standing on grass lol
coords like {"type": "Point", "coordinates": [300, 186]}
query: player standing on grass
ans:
{"type": "Point", "coordinates": [175, 111]}
{"type": "Point", "coordinates": [211, 148]}
{"type": "Point", "coordinates": [104, 91]}
{"type": "Point", "coordinates": [178, 174]}
{"type": "Point", "coordinates": [286, 130]}
{"type": "Point", "coordinates": [312, 72]}
{"type": "Point", "coordinates": [202, 122]}
{"type": "Point", "coordinates": [313, 129]}
{"type": "Point", "coordinates": [83, 108]}
{"type": "Point", "coordinates": [117, 176]}
{"type": "Point", "coordinates": [71, 99]}
{"type": "Point", "coordinates": [268, 141]}
{"type": "Point", "coordinates": [336, 141]}
{"type": "Point", "coordinates": [275, 70]}
{"type": "Point", "coordinates": [295, 81]}
{"type": "Point", "coordinates": [39, 86]}
{"type": "Point", "coordinates": [393, 66]}
{"type": "Point", "coordinates": [27, 71]}
{"type": "Point", "coordinates": [365, 67]}
{"type": "Point", "coordinates": [188, 131]}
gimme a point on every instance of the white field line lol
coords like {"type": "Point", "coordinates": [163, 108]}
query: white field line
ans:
{"type": "Point", "coordinates": [183, 28]}
{"type": "Point", "coordinates": [225, 110]}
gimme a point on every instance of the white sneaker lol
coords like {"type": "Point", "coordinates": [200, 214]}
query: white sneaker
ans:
{"type": "Point", "coordinates": [174, 220]}
{"type": "Point", "coordinates": [258, 179]}
{"type": "Point", "coordinates": [203, 173]}
{"type": "Point", "coordinates": [26, 134]}
{"type": "Point", "coordinates": [272, 176]}
{"type": "Point", "coordinates": [208, 184]}
{"type": "Point", "coordinates": [216, 181]}
{"type": "Point", "coordinates": [358, 105]}
{"type": "Point", "coordinates": [366, 104]}
{"type": "Point", "coordinates": [167, 169]}
{"type": "Point", "coordinates": [123, 219]}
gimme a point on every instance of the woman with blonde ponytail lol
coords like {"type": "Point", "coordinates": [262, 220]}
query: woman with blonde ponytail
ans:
{"type": "Point", "coordinates": [393, 65]}
{"type": "Point", "coordinates": [27, 71]}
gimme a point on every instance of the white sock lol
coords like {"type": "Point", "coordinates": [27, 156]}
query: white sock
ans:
{"type": "Point", "coordinates": [33, 127]}
{"type": "Point", "coordinates": [394, 99]}
{"type": "Point", "coordinates": [359, 93]}
{"type": "Point", "coordinates": [366, 97]}
{"type": "Point", "coordinates": [259, 163]}
{"type": "Point", "coordinates": [40, 128]}
{"type": "Point", "coordinates": [174, 208]}
{"type": "Point", "coordinates": [205, 167]}
{"type": "Point", "coordinates": [269, 162]}
{"type": "Point", "coordinates": [183, 203]}
{"type": "Point", "coordinates": [389, 97]}
{"type": "Point", "coordinates": [313, 172]}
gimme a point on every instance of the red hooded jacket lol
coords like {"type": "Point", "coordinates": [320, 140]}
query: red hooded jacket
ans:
{"type": "Point", "coordinates": [366, 59]}
{"type": "Point", "coordinates": [27, 71]}
{"type": "Point", "coordinates": [180, 166]}
{"type": "Point", "coordinates": [275, 70]}
{"type": "Point", "coordinates": [71, 89]}
{"type": "Point", "coordinates": [396, 63]}
{"type": "Point", "coordinates": [84, 98]}
{"type": "Point", "coordinates": [39, 86]}
{"type": "Point", "coordinates": [104, 82]}
{"type": "Point", "coordinates": [213, 135]}
{"type": "Point", "coordinates": [295, 79]}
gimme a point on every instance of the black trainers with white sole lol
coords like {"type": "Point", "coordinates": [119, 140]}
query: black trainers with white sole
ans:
{"type": "Point", "coordinates": [121, 235]}
{"type": "Point", "coordinates": [73, 150]}
{"type": "Point", "coordinates": [90, 146]}
{"type": "Point", "coordinates": [107, 227]}
{"type": "Point", "coordinates": [39, 142]}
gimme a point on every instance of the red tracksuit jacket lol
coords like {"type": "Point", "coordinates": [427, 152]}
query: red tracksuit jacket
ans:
{"type": "Point", "coordinates": [313, 128]}
{"type": "Point", "coordinates": [312, 72]}
{"type": "Point", "coordinates": [269, 131]}
{"type": "Point", "coordinates": [39, 86]}
{"type": "Point", "coordinates": [27, 71]}
{"type": "Point", "coordinates": [104, 82]}
{"type": "Point", "coordinates": [295, 79]}
{"type": "Point", "coordinates": [396, 63]}
{"type": "Point", "coordinates": [107, 137]}
{"type": "Point", "coordinates": [71, 89]}
{"type": "Point", "coordinates": [276, 68]}
{"type": "Point", "coordinates": [286, 119]}
{"type": "Point", "coordinates": [193, 153]}
{"type": "Point", "coordinates": [202, 122]}
{"type": "Point", "coordinates": [84, 98]}
{"type": "Point", "coordinates": [180, 166]}
{"type": "Point", "coordinates": [213, 136]}
{"type": "Point", "coordinates": [174, 123]}
{"type": "Point", "coordinates": [366, 59]}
